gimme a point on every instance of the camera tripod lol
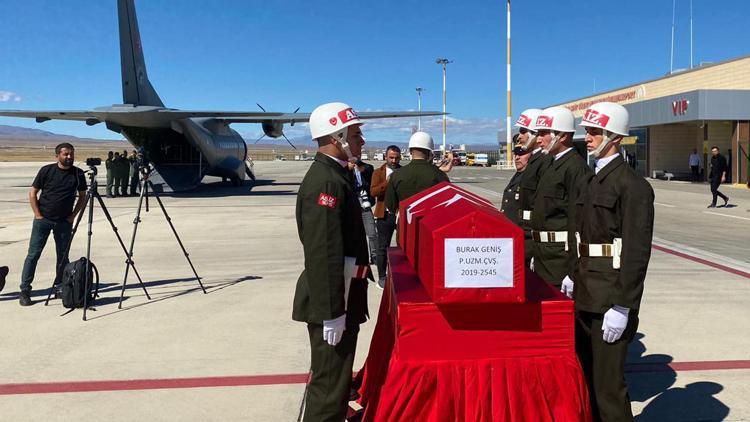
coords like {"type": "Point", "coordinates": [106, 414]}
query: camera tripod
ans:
{"type": "Point", "coordinates": [145, 183]}
{"type": "Point", "coordinates": [91, 194]}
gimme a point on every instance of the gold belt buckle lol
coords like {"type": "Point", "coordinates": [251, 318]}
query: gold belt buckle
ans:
{"type": "Point", "coordinates": [607, 250]}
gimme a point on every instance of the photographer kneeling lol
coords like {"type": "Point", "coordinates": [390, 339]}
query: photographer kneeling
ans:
{"type": "Point", "coordinates": [59, 184]}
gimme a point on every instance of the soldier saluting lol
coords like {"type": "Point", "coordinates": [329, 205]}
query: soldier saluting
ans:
{"type": "Point", "coordinates": [537, 165]}
{"type": "Point", "coordinates": [331, 294]}
{"type": "Point", "coordinates": [553, 222]}
{"type": "Point", "coordinates": [615, 220]}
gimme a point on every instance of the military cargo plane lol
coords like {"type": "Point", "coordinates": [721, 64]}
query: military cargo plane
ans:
{"type": "Point", "coordinates": [183, 145]}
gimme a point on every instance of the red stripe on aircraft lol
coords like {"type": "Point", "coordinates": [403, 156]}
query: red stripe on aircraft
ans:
{"type": "Point", "coordinates": [731, 270]}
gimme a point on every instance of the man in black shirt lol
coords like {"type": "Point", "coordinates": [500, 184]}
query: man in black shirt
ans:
{"type": "Point", "coordinates": [717, 176]}
{"type": "Point", "coordinates": [60, 184]}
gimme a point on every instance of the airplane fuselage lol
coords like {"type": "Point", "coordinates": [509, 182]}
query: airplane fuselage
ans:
{"type": "Point", "coordinates": [183, 151]}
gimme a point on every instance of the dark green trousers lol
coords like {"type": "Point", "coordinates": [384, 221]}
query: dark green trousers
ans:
{"type": "Point", "coordinates": [604, 366]}
{"type": "Point", "coordinates": [110, 182]}
{"type": "Point", "coordinates": [328, 391]}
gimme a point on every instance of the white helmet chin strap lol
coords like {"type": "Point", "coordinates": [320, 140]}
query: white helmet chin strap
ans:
{"type": "Point", "coordinates": [340, 137]}
{"type": "Point", "coordinates": [552, 143]}
{"type": "Point", "coordinates": [530, 142]}
{"type": "Point", "coordinates": [605, 142]}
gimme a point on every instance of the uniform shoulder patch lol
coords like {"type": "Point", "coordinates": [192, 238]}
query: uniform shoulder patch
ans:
{"type": "Point", "coordinates": [327, 200]}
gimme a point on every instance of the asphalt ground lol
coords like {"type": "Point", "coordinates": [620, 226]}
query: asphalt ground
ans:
{"type": "Point", "coordinates": [235, 354]}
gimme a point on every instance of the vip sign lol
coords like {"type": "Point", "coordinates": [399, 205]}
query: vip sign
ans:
{"type": "Point", "coordinates": [680, 107]}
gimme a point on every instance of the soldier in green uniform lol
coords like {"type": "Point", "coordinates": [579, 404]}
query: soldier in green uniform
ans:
{"type": "Point", "coordinates": [416, 176]}
{"type": "Point", "coordinates": [614, 220]}
{"type": "Point", "coordinates": [331, 294]}
{"type": "Point", "coordinates": [553, 219]}
{"type": "Point", "coordinates": [110, 173]}
{"type": "Point", "coordinates": [512, 193]}
{"type": "Point", "coordinates": [133, 162]}
{"type": "Point", "coordinates": [125, 173]}
{"type": "Point", "coordinates": [117, 173]}
{"type": "Point", "coordinates": [537, 165]}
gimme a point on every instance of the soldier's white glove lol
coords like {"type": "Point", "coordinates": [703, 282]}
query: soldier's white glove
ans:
{"type": "Point", "coordinates": [333, 329]}
{"type": "Point", "coordinates": [567, 287]}
{"type": "Point", "coordinates": [615, 321]}
{"type": "Point", "coordinates": [531, 264]}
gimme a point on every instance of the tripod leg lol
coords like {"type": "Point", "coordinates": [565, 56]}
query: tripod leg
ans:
{"type": "Point", "coordinates": [169, 220]}
{"type": "Point", "coordinates": [72, 235]}
{"type": "Point", "coordinates": [128, 252]}
{"type": "Point", "coordinates": [87, 283]}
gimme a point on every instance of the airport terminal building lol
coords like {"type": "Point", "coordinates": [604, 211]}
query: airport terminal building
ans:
{"type": "Point", "coordinates": [669, 116]}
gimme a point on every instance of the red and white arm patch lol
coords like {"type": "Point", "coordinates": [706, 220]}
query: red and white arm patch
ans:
{"type": "Point", "coordinates": [327, 200]}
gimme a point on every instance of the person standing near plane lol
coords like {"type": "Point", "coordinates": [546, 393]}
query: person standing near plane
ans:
{"type": "Point", "coordinates": [108, 164]}
{"type": "Point", "coordinates": [553, 219]}
{"type": "Point", "coordinates": [615, 222]}
{"type": "Point", "coordinates": [331, 293]}
{"type": "Point", "coordinates": [512, 194]}
{"type": "Point", "coordinates": [60, 184]}
{"type": "Point", "coordinates": [133, 161]}
{"type": "Point", "coordinates": [537, 165]}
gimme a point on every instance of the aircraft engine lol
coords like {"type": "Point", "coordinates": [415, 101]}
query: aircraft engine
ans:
{"type": "Point", "coordinates": [272, 129]}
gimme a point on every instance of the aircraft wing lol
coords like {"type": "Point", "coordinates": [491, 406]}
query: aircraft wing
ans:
{"type": "Point", "coordinates": [304, 117]}
{"type": "Point", "coordinates": [42, 116]}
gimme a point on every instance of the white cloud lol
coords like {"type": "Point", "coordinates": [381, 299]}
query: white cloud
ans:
{"type": "Point", "coordinates": [7, 96]}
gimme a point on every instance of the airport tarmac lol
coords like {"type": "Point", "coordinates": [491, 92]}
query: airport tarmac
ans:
{"type": "Point", "coordinates": [235, 354]}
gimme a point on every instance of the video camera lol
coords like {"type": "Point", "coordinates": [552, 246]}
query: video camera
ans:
{"type": "Point", "coordinates": [93, 161]}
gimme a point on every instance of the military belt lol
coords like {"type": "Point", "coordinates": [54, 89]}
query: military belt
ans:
{"type": "Point", "coordinates": [596, 250]}
{"type": "Point", "coordinates": [524, 215]}
{"type": "Point", "coordinates": [549, 237]}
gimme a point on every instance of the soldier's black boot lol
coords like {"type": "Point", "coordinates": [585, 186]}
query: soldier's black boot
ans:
{"type": "Point", "coordinates": [3, 273]}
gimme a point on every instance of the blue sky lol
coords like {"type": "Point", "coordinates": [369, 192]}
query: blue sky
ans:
{"type": "Point", "coordinates": [228, 55]}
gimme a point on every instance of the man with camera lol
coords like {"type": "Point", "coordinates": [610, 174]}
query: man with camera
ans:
{"type": "Point", "coordinates": [54, 211]}
{"type": "Point", "coordinates": [362, 181]}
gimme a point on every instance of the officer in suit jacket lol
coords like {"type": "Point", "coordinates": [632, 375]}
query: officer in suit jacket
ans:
{"type": "Point", "coordinates": [331, 294]}
{"type": "Point", "coordinates": [512, 193]}
{"type": "Point", "coordinates": [614, 221]}
{"type": "Point", "coordinates": [537, 165]}
{"type": "Point", "coordinates": [553, 221]}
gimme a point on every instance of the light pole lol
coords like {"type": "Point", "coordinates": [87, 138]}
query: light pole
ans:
{"type": "Point", "coordinates": [419, 106]}
{"type": "Point", "coordinates": [443, 62]}
{"type": "Point", "coordinates": [509, 112]}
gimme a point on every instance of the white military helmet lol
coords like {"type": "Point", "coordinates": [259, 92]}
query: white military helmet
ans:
{"type": "Point", "coordinates": [421, 140]}
{"type": "Point", "coordinates": [608, 116]}
{"type": "Point", "coordinates": [557, 119]}
{"type": "Point", "coordinates": [330, 118]}
{"type": "Point", "coordinates": [613, 118]}
{"type": "Point", "coordinates": [527, 120]}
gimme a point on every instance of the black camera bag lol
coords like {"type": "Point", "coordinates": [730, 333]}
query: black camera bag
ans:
{"type": "Point", "coordinates": [72, 287]}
